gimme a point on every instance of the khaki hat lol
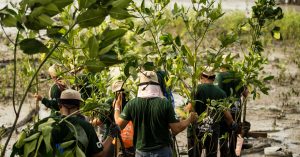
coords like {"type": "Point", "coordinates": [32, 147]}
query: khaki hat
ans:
{"type": "Point", "coordinates": [70, 94]}
{"type": "Point", "coordinates": [148, 77]}
{"type": "Point", "coordinates": [117, 86]}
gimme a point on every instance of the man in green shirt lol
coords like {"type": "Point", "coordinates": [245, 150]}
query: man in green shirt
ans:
{"type": "Point", "coordinates": [54, 92]}
{"type": "Point", "coordinates": [67, 134]}
{"type": "Point", "coordinates": [152, 116]}
{"type": "Point", "coordinates": [205, 95]}
{"type": "Point", "coordinates": [69, 103]}
{"type": "Point", "coordinates": [229, 82]}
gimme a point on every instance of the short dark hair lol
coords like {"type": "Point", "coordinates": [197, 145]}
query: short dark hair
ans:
{"type": "Point", "coordinates": [210, 77]}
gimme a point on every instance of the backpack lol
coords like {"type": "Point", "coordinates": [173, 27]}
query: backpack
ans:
{"type": "Point", "coordinates": [162, 77]}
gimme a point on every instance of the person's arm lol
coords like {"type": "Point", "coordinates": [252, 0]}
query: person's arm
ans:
{"type": "Point", "coordinates": [117, 111]}
{"type": "Point", "coordinates": [228, 118]}
{"type": "Point", "coordinates": [106, 147]}
{"type": "Point", "coordinates": [177, 127]}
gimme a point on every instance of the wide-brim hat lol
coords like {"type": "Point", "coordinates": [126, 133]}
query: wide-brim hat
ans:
{"type": "Point", "coordinates": [148, 77]}
{"type": "Point", "coordinates": [70, 94]}
{"type": "Point", "coordinates": [117, 86]}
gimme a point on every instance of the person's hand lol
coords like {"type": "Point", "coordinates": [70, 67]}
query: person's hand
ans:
{"type": "Point", "coordinates": [114, 130]}
{"type": "Point", "coordinates": [188, 107]}
{"type": "Point", "coordinates": [245, 92]}
{"type": "Point", "coordinates": [118, 102]}
{"type": "Point", "coordinates": [96, 122]}
{"type": "Point", "coordinates": [234, 126]}
{"type": "Point", "coordinates": [193, 117]}
{"type": "Point", "coordinates": [38, 97]}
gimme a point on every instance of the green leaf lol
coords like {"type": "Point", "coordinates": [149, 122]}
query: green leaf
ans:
{"type": "Point", "coordinates": [32, 46]}
{"type": "Point", "coordinates": [32, 137]}
{"type": "Point", "coordinates": [37, 2]}
{"type": "Point", "coordinates": [93, 47]}
{"type": "Point", "coordinates": [119, 14]}
{"type": "Point", "coordinates": [33, 23]}
{"type": "Point", "coordinates": [67, 144]}
{"type": "Point", "coordinates": [57, 33]}
{"type": "Point", "coordinates": [268, 78]}
{"type": "Point", "coordinates": [147, 43]}
{"type": "Point", "coordinates": [121, 3]}
{"type": "Point", "coordinates": [37, 11]}
{"type": "Point", "coordinates": [38, 146]}
{"type": "Point", "coordinates": [51, 9]}
{"type": "Point", "coordinates": [21, 138]}
{"type": "Point", "coordinates": [9, 21]}
{"type": "Point", "coordinates": [132, 63]}
{"type": "Point", "coordinates": [29, 147]}
{"type": "Point", "coordinates": [81, 136]}
{"type": "Point", "coordinates": [109, 36]}
{"type": "Point", "coordinates": [187, 52]}
{"type": "Point", "coordinates": [68, 153]}
{"type": "Point", "coordinates": [45, 20]}
{"type": "Point", "coordinates": [143, 6]}
{"type": "Point", "coordinates": [94, 65]}
{"type": "Point", "coordinates": [61, 3]}
{"type": "Point", "coordinates": [105, 49]}
{"type": "Point", "coordinates": [92, 17]}
{"type": "Point", "coordinates": [178, 41]}
{"type": "Point", "coordinates": [167, 39]}
{"type": "Point", "coordinates": [149, 66]}
{"type": "Point", "coordinates": [85, 3]}
{"type": "Point", "coordinates": [46, 131]}
{"type": "Point", "coordinates": [110, 58]}
{"type": "Point", "coordinates": [79, 152]}
{"type": "Point", "coordinates": [90, 104]}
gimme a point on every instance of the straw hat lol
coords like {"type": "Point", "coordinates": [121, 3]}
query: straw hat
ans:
{"type": "Point", "coordinates": [148, 77]}
{"type": "Point", "coordinates": [117, 86]}
{"type": "Point", "coordinates": [70, 94]}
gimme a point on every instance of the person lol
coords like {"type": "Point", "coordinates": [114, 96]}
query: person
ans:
{"type": "Point", "coordinates": [205, 95]}
{"type": "Point", "coordinates": [54, 92]}
{"type": "Point", "coordinates": [227, 145]}
{"type": "Point", "coordinates": [152, 115]}
{"type": "Point", "coordinates": [127, 133]}
{"type": "Point", "coordinates": [66, 128]}
{"type": "Point", "coordinates": [69, 103]}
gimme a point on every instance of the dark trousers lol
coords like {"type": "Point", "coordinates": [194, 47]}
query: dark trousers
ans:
{"type": "Point", "coordinates": [210, 145]}
{"type": "Point", "coordinates": [227, 145]}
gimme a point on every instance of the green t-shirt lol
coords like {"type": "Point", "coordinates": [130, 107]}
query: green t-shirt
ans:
{"type": "Point", "coordinates": [228, 82]}
{"type": "Point", "coordinates": [87, 136]}
{"type": "Point", "coordinates": [207, 92]}
{"type": "Point", "coordinates": [151, 118]}
{"type": "Point", "coordinates": [52, 103]}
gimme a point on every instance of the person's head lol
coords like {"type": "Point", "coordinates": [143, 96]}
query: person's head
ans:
{"type": "Point", "coordinates": [69, 101]}
{"type": "Point", "coordinates": [53, 71]}
{"type": "Point", "coordinates": [208, 75]}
